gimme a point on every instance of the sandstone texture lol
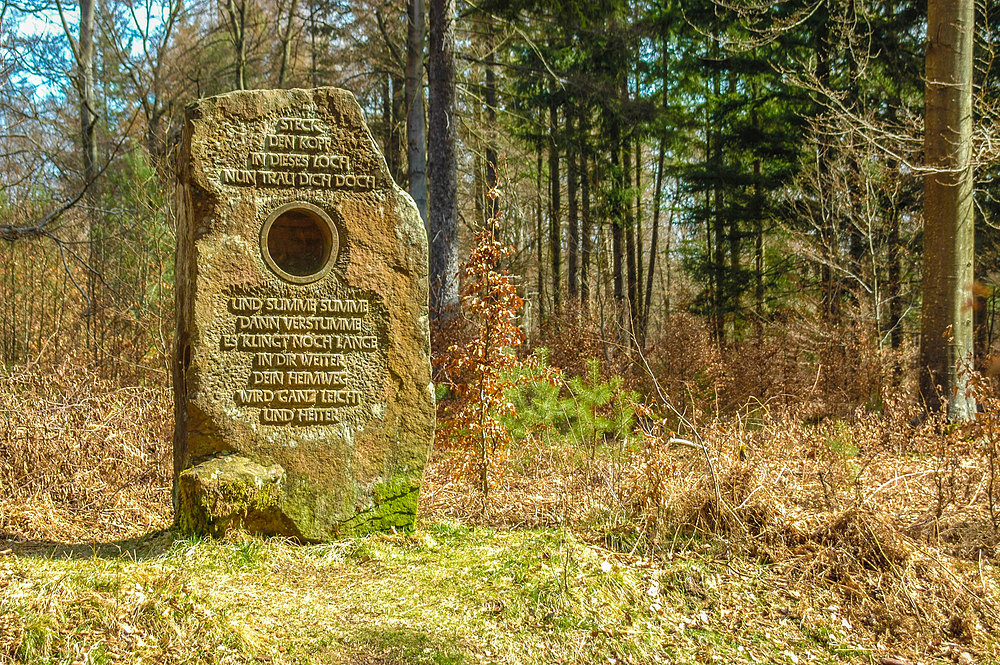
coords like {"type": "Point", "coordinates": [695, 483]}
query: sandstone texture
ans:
{"type": "Point", "coordinates": [302, 387]}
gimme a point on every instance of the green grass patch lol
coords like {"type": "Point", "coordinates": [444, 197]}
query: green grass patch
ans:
{"type": "Point", "coordinates": [447, 595]}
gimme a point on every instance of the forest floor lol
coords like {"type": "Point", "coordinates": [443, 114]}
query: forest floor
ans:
{"type": "Point", "coordinates": [455, 592]}
{"type": "Point", "coordinates": [448, 594]}
{"type": "Point", "coordinates": [777, 540]}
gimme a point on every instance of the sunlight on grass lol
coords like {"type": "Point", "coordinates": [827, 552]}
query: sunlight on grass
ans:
{"type": "Point", "coordinates": [447, 595]}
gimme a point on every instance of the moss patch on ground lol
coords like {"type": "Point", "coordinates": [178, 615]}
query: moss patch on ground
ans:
{"type": "Point", "coordinates": [446, 595]}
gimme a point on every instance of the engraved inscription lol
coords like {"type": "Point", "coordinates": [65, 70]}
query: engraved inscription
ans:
{"type": "Point", "coordinates": [299, 351]}
{"type": "Point", "coordinates": [297, 154]}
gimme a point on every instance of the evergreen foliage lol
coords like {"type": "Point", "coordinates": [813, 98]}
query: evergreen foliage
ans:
{"type": "Point", "coordinates": [586, 410]}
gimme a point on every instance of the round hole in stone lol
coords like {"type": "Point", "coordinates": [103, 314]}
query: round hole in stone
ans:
{"type": "Point", "coordinates": [299, 242]}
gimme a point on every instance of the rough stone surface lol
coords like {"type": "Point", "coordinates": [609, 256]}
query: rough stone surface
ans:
{"type": "Point", "coordinates": [232, 492]}
{"type": "Point", "coordinates": [302, 377]}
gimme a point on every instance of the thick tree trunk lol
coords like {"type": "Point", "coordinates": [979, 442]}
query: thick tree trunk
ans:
{"type": "Point", "coordinates": [443, 168]}
{"type": "Point", "coordinates": [416, 136]}
{"type": "Point", "coordinates": [946, 352]}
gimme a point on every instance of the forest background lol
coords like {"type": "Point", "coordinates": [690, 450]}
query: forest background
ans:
{"type": "Point", "coordinates": [706, 220]}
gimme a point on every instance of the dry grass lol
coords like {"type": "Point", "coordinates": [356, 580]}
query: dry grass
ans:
{"type": "Point", "coordinates": [863, 525]}
{"type": "Point", "coordinates": [81, 458]}
{"type": "Point", "coordinates": [889, 525]}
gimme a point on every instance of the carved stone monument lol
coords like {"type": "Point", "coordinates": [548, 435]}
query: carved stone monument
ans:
{"type": "Point", "coordinates": [302, 377]}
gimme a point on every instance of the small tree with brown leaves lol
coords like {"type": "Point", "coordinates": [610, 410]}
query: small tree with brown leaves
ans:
{"type": "Point", "coordinates": [483, 370]}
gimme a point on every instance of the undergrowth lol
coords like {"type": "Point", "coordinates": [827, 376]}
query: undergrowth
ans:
{"type": "Point", "coordinates": [886, 521]}
{"type": "Point", "coordinates": [796, 456]}
{"type": "Point", "coordinates": [80, 456]}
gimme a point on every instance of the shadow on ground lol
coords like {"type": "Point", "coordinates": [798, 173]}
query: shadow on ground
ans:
{"type": "Point", "coordinates": [148, 546]}
{"type": "Point", "coordinates": [394, 646]}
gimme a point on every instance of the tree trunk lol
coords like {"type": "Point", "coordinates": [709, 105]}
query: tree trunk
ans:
{"type": "Point", "coordinates": [829, 296]}
{"type": "Point", "coordinates": [416, 139]}
{"type": "Point", "coordinates": [236, 10]}
{"type": "Point", "coordinates": [719, 267]}
{"type": "Point", "coordinates": [586, 228]}
{"type": "Point", "coordinates": [88, 103]}
{"type": "Point", "coordinates": [391, 160]}
{"type": "Point", "coordinates": [640, 303]}
{"type": "Point", "coordinates": [539, 237]}
{"type": "Point", "coordinates": [629, 222]}
{"type": "Point", "coordinates": [758, 244]}
{"type": "Point", "coordinates": [88, 148]}
{"type": "Point", "coordinates": [492, 158]}
{"type": "Point", "coordinates": [894, 286]}
{"type": "Point", "coordinates": [946, 352]}
{"type": "Point", "coordinates": [667, 257]}
{"type": "Point", "coordinates": [654, 239]}
{"type": "Point", "coordinates": [617, 220]}
{"type": "Point", "coordinates": [478, 170]}
{"type": "Point", "coordinates": [555, 231]}
{"type": "Point", "coordinates": [443, 168]}
{"type": "Point", "coordinates": [712, 232]}
{"type": "Point", "coordinates": [573, 232]}
{"type": "Point", "coordinates": [286, 42]}
{"type": "Point", "coordinates": [394, 145]}
{"type": "Point", "coordinates": [314, 47]}
{"type": "Point", "coordinates": [859, 244]}
{"type": "Point", "coordinates": [757, 215]}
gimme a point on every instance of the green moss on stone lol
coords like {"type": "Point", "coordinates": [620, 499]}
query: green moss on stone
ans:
{"type": "Point", "coordinates": [232, 492]}
{"type": "Point", "coordinates": [228, 492]}
{"type": "Point", "coordinates": [393, 505]}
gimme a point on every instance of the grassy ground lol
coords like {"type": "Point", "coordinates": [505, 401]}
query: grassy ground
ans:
{"type": "Point", "coordinates": [447, 595]}
{"type": "Point", "coordinates": [780, 540]}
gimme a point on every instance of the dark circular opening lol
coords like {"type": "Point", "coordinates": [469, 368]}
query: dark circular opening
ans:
{"type": "Point", "coordinates": [299, 243]}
